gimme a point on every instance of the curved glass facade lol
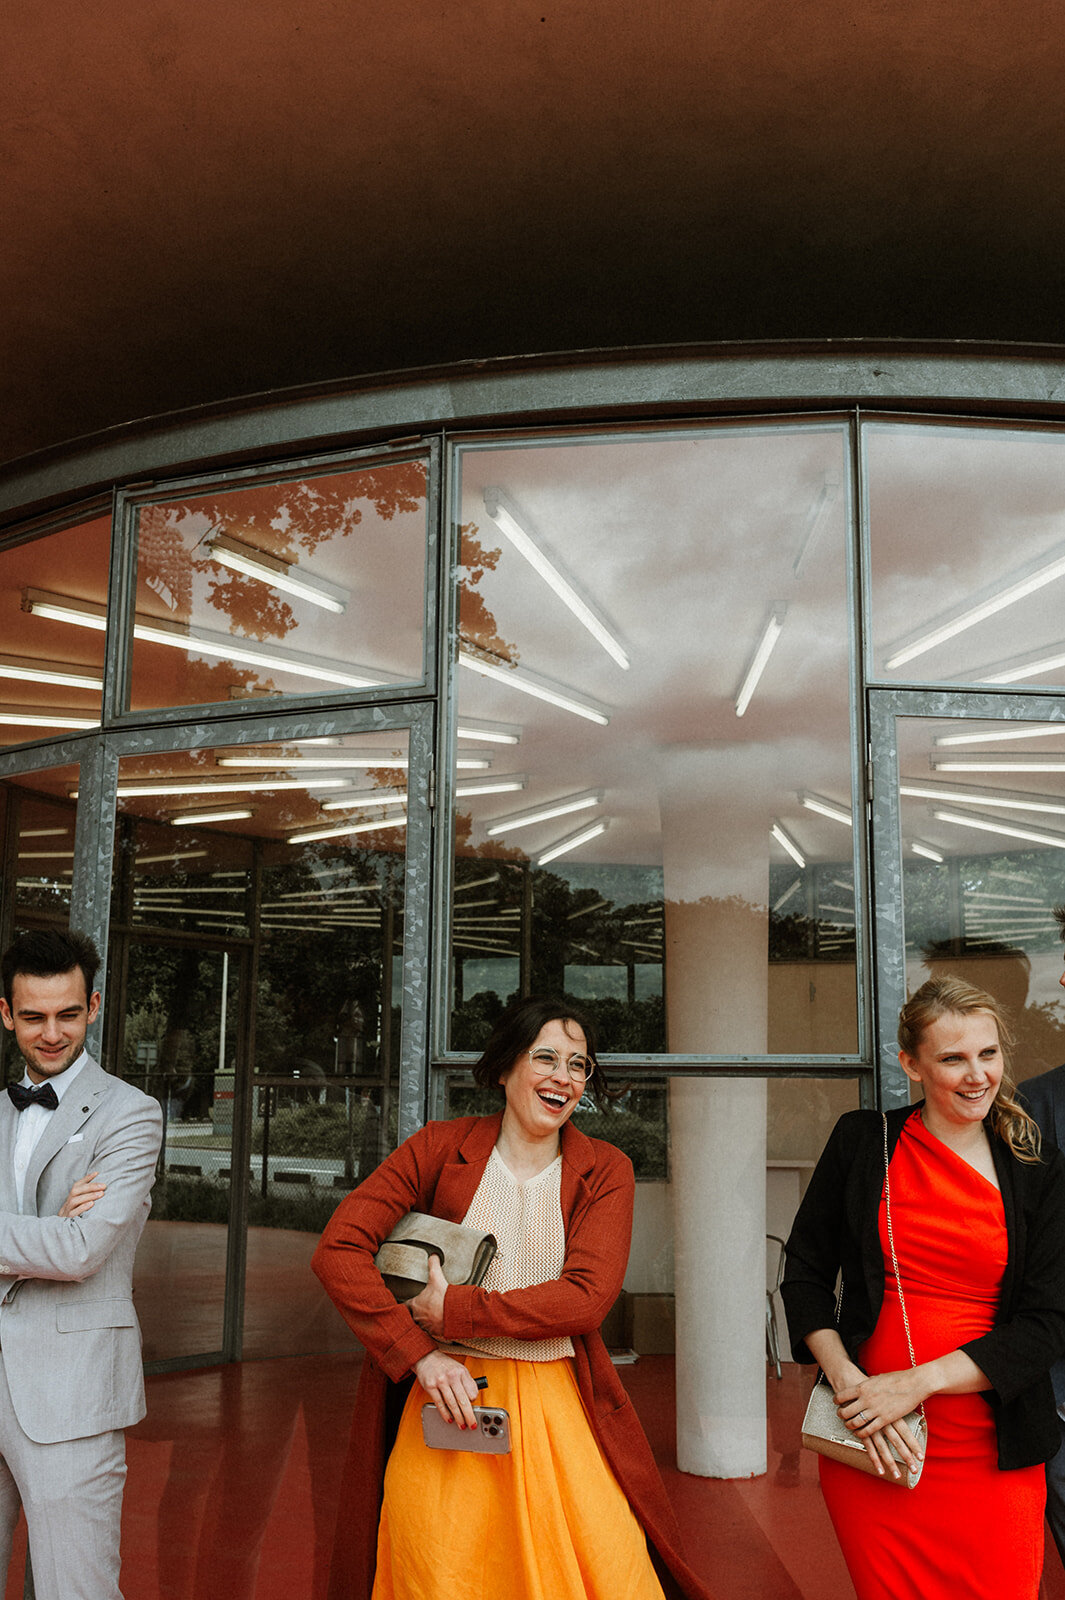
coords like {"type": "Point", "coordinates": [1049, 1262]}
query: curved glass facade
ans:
{"type": "Point", "coordinates": [729, 727]}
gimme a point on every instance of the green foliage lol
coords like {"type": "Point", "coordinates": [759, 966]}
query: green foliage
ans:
{"type": "Point", "coordinates": [207, 1200]}
{"type": "Point", "coordinates": [643, 1141]}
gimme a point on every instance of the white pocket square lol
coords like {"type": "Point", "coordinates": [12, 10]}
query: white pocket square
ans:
{"type": "Point", "coordinates": [76, 1138]}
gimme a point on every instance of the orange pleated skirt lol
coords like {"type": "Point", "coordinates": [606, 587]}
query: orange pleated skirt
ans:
{"type": "Point", "coordinates": [968, 1531]}
{"type": "Point", "coordinates": [546, 1522]}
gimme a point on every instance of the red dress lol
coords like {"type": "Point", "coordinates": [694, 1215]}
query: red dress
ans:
{"type": "Point", "coordinates": [968, 1531]}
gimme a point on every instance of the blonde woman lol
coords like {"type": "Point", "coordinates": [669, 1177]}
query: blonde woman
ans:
{"type": "Point", "coordinates": [978, 1216]}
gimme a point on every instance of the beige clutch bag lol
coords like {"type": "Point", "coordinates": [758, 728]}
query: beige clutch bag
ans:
{"type": "Point", "coordinates": [823, 1432]}
{"type": "Point", "coordinates": [465, 1254]}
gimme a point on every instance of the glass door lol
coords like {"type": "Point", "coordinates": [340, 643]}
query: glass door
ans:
{"type": "Point", "coordinates": [969, 846]}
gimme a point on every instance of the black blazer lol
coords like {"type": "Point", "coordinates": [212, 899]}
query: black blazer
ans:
{"type": "Point", "coordinates": [837, 1228]}
{"type": "Point", "coordinates": [1045, 1099]}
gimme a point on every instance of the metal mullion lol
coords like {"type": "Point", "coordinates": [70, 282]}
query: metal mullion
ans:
{"type": "Point", "coordinates": [94, 851]}
{"type": "Point", "coordinates": [447, 745]}
{"type": "Point", "coordinates": [856, 548]}
{"type": "Point", "coordinates": [417, 901]}
{"type": "Point", "coordinates": [121, 586]}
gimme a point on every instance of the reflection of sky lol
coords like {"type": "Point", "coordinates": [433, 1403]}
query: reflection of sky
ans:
{"type": "Point", "coordinates": [684, 546]}
{"type": "Point", "coordinates": [956, 514]}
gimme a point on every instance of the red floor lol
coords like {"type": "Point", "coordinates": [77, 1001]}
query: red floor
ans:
{"type": "Point", "coordinates": [233, 1483]}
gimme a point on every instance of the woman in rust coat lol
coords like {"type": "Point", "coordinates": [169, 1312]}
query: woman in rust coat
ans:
{"type": "Point", "coordinates": [578, 1509]}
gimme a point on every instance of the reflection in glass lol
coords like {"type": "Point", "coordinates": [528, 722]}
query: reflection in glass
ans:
{"type": "Point", "coordinates": [968, 553]}
{"type": "Point", "coordinates": [44, 862]}
{"type": "Point", "coordinates": [657, 628]}
{"type": "Point", "coordinates": [984, 864]}
{"type": "Point", "coordinates": [302, 586]}
{"type": "Point", "coordinates": [285, 860]}
{"type": "Point", "coordinates": [51, 675]}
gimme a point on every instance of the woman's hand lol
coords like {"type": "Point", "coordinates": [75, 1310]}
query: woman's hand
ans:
{"type": "Point", "coordinates": [82, 1197]}
{"type": "Point", "coordinates": [873, 1409]}
{"type": "Point", "coordinates": [448, 1385]}
{"type": "Point", "coordinates": [427, 1307]}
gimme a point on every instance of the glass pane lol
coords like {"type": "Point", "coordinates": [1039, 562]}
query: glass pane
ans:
{"type": "Point", "coordinates": [968, 554]}
{"type": "Point", "coordinates": [983, 838]}
{"type": "Point", "coordinates": [305, 586]}
{"type": "Point", "coordinates": [286, 860]}
{"type": "Point", "coordinates": [52, 649]}
{"type": "Point", "coordinates": [44, 864]}
{"type": "Point", "coordinates": [666, 715]}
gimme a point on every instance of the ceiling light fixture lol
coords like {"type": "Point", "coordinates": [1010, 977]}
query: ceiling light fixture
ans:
{"type": "Point", "coordinates": [1048, 763]}
{"type": "Point", "coordinates": [515, 679]}
{"type": "Point", "coordinates": [546, 811]}
{"type": "Point", "coordinates": [926, 850]}
{"type": "Point", "coordinates": [286, 575]}
{"type": "Point", "coordinates": [816, 518]}
{"type": "Point", "coordinates": [374, 826]}
{"type": "Point", "coordinates": [471, 788]}
{"type": "Point", "coordinates": [987, 608]}
{"type": "Point", "coordinates": [959, 795]}
{"type": "Point", "coordinates": [1041, 730]}
{"type": "Point", "coordinates": [763, 650]}
{"type": "Point", "coordinates": [202, 641]}
{"type": "Point", "coordinates": [364, 797]}
{"type": "Point", "coordinates": [784, 839]}
{"type": "Point", "coordinates": [986, 825]}
{"type": "Point", "coordinates": [1027, 669]}
{"type": "Point", "coordinates": [573, 841]}
{"type": "Point", "coordinates": [363, 760]}
{"type": "Point", "coordinates": [488, 732]}
{"type": "Point", "coordinates": [501, 511]}
{"type": "Point", "coordinates": [188, 819]}
{"type": "Point", "coordinates": [25, 669]}
{"type": "Point", "coordinates": [137, 791]}
{"type": "Point", "coordinates": [31, 717]}
{"type": "Point", "coordinates": [826, 808]}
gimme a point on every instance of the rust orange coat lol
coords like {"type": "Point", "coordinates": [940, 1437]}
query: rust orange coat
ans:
{"type": "Point", "coordinates": [438, 1170]}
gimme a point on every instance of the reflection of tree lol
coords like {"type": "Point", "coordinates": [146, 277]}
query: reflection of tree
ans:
{"type": "Point", "coordinates": [286, 520]}
{"type": "Point", "coordinates": [477, 625]}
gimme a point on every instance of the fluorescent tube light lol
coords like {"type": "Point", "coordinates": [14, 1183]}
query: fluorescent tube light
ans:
{"type": "Point", "coordinates": [1049, 763]}
{"type": "Point", "coordinates": [487, 732]}
{"type": "Point", "coordinates": [515, 679]}
{"type": "Point", "coordinates": [826, 808]}
{"type": "Point", "coordinates": [502, 514]}
{"type": "Point", "coordinates": [25, 717]}
{"type": "Point", "coordinates": [339, 832]}
{"type": "Point", "coordinates": [546, 811]}
{"type": "Point", "coordinates": [1028, 669]}
{"type": "Point", "coordinates": [1042, 730]}
{"type": "Point", "coordinates": [573, 841]}
{"type": "Point", "coordinates": [132, 791]}
{"type": "Point", "coordinates": [920, 849]}
{"type": "Point", "coordinates": [278, 574]}
{"type": "Point", "coordinates": [778, 905]}
{"type": "Point", "coordinates": [978, 613]}
{"type": "Point", "coordinates": [188, 819]}
{"type": "Point", "coordinates": [45, 855]}
{"type": "Point", "coordinates": [359, 761]}
{"type": "Point", "coordinates": [364, 797]}
{"type": "Point", "coordinates": [763, 650]}
{"type": "Point", "coordinates": [25, 669]}
{"type": "Point", "coordinates": [1010, 831]}
{"type": "Point", "coordinates": [500, 785]}
{"type": "Point", "coordinates": [783, 838]}
{"type": "Point", "coordinates": [202, 641]}
{"type": "Point", "coordinates": [176, 856]}
{"type": "Point", "coordinates": [816, 518]}
{"type": "Point", "coordinates": [959, 795]}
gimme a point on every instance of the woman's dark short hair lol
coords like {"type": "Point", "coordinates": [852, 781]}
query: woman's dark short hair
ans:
{"type": "Point", "coordinates": [517, 1028]}
{"type": "Point", "coordinates": [45, 952]}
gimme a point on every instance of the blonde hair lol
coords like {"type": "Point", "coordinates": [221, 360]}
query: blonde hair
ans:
{"type": "Point", "coordinates": [950, 996]}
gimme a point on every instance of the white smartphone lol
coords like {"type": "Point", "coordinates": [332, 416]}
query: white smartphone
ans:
{"type": "Point", "coordinates": [490, 1437]}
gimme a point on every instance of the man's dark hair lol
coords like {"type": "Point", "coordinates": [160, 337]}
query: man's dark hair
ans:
{"type": "Point", "coordinates": [44, 952]}
{"type": "Point", "coordinates": [1059, 918]}
{"type": "Point", "coordinates": [516, 1029]}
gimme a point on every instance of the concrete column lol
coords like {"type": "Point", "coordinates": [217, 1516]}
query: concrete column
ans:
{"type": "Point", "coordinates": [715, 858]}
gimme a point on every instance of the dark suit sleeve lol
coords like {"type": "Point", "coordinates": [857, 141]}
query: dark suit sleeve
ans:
{"type": "Point", "coordinates": [1018, 1352]}
{"type": "Point", "coordinates": [815, 1245]}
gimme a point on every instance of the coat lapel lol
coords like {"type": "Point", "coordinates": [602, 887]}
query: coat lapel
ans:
{"type": "Point", "coordinates": [8, 1129]}
{"type": "Point", "coordinates": [77, 1105]}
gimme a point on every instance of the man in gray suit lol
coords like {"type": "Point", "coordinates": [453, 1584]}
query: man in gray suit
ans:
{"type": "Point", "coordinates": [1045, 1099]}
{"type": "Point", "coordinates": [77, 1159]}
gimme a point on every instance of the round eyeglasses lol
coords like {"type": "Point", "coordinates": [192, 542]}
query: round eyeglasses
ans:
{"type": "Point", "coordinates": [546, 1061]}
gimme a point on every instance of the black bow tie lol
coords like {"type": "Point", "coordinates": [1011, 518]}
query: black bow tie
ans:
{"type": "Point", "coordinates": [44, 1095]}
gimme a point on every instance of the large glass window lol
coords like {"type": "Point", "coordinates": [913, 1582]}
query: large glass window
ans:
{"type": "Point", "coordinates": [256, 955]}
{"type": "Point", "coordinates": [51, 674]}
{"type": "Point", "coordinates": [653, 657]}
{"type": "Point", "coordinates": [967, 553]}
{"type": "Point", "coordinates": [307, 585]}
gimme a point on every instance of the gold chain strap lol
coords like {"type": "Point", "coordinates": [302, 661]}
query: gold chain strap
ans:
{"type": "Point", "coordinates": [894, 1257]}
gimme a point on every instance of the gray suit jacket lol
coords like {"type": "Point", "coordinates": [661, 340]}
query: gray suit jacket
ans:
{"type": "Point", "coordinates": [69, 1337]}
{"type": "Point", "coordinates": [1045, 1099]}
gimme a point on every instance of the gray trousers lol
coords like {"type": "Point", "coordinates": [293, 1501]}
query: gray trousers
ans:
{"type": "Point", "coordinates": [71, 1493]}
{"type": "Point", "coordinates": [1056, 1494]}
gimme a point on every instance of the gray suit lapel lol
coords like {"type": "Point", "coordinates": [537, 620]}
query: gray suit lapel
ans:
{"type": "Point", "coordinates": [76, 1106]}
{"type": "Point", "coordinates": [8, 1129]}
